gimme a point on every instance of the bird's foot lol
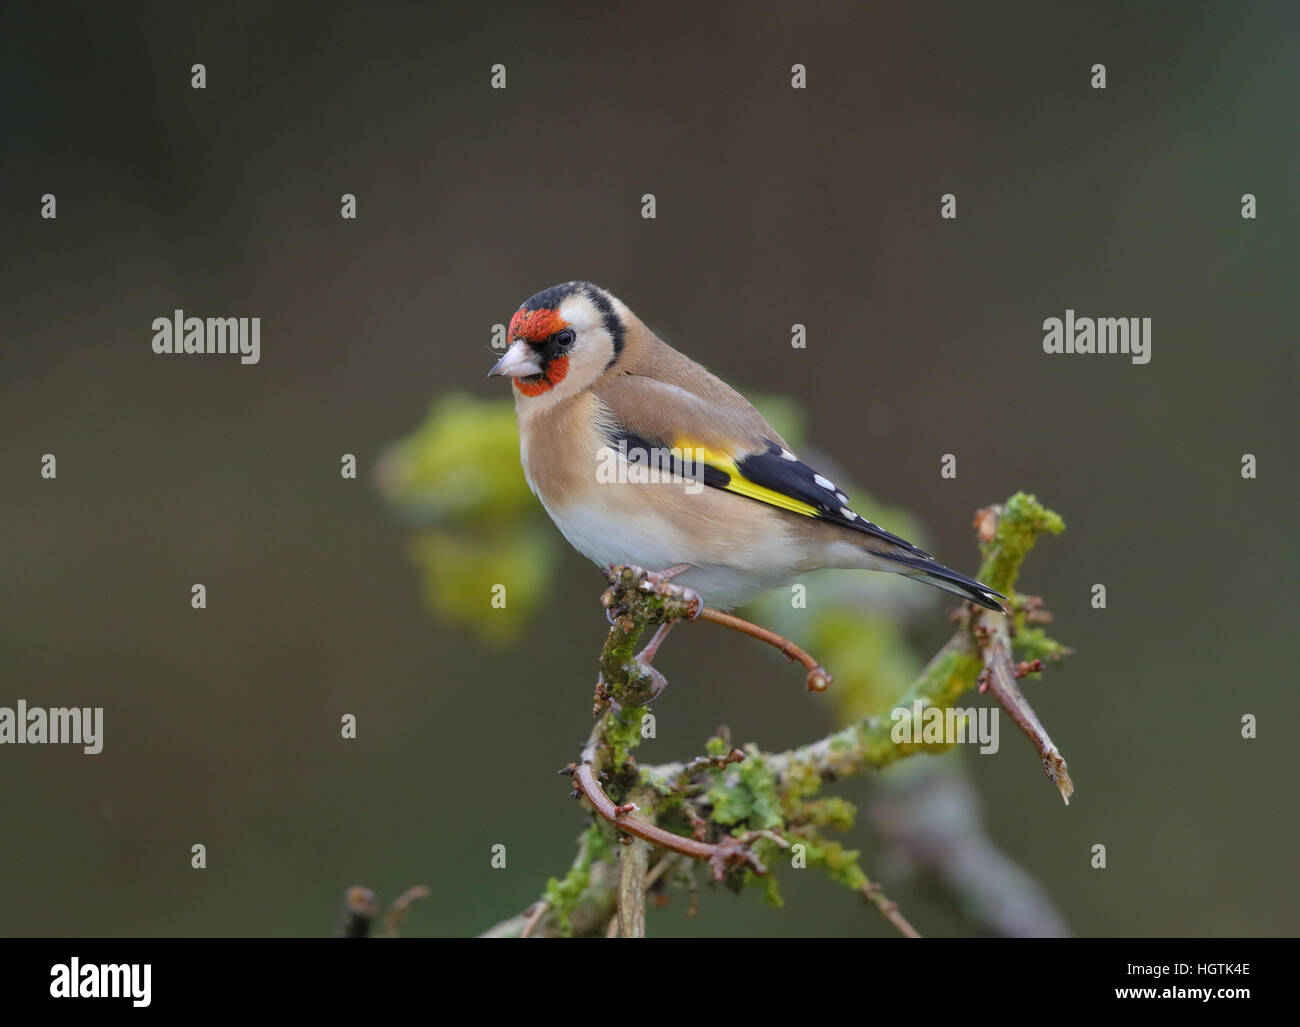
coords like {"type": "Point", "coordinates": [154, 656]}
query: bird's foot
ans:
{"type": "Point", "coordinates": [645, 683]}
{"type": "Point", "coordinates": [651, 677]}
{"type": "Point", "coordinates": [668, 573]}
{"type": "Point", "coordinates": [659, 582]}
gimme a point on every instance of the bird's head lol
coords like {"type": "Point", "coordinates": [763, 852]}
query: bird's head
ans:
{"type": "Point", "coordinates": [563, 339]}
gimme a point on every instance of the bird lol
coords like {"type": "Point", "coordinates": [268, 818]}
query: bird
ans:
{"type": "Point", "coordinates": [644, 458]}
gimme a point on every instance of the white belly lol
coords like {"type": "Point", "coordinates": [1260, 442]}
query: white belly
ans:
{"type": "Point", "coordinates": [737, 548]}
{"type": "Point", "coordinates": [725, 576]}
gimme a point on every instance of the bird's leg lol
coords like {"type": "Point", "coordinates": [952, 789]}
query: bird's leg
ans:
{"type": "Point", "coordinates": [646, 656]}
{"type": "Point", "coordinates": [644, 679]}
{"type": "Point", "coordinates": [648, 675]}
{"type": "Point", "coordinates": [659, 577]}
{"type": "Point", "coordinates": [659, 581]}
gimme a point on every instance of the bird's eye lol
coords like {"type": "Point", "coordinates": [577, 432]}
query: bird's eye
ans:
{"type": "Point", "coordinates": [564, 337]}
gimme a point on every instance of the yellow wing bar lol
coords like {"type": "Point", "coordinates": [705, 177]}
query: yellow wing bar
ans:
{"type": "Point", "coordinates": [741, 485]}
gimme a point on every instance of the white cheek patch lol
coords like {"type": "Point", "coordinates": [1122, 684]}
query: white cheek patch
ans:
{"type": "Point", "coordinates": [576, 313]}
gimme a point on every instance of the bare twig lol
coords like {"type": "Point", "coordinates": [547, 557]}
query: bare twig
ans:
{"type": "Point", "coordinates": [393, 919]}
{"type": "Point", "coordinates": [700, 762]}
{"type": "Point", "coordinates": [888, 909]}
{"type": "Point", "coordinates": [659, 869]}
{"type": "Point", "coordinates": [927, 820]}
{"type": "Point", "coordinates": [818, 680]}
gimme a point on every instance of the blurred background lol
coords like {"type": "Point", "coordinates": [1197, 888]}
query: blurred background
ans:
{"type": "Point", "coordinates": [774, 206]}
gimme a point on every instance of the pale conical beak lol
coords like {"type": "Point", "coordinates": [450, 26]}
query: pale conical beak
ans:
{"type": "Point", "coordinates": [520, 361]}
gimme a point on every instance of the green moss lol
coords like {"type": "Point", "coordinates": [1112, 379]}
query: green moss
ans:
{"type": "Point", "coordinates": [802, 781]}
{"type": "Point", "coordinates": [564, 895]}
{"type": "Point", "coordinates": [745, 794]}
{"type": "Point", "coordinates": [1034, 644]}
{"type": "Point", "coordinates": [950, 674]}
{"type": "Point", "coordinates": [1023, 519]}
{"type": "Point", "coordinates": [623, 733]}
{"type": "Point", "coordinates": [831, 811]}
{"type": "Point", "coordinates": [838, 863]}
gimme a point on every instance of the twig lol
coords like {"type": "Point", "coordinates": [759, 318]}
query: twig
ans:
{"type": "Point", "coordinates": [721, 857]}
{"type": "Point", "coordinates": [657, 871]}
{"type": "Point", "coordinates": [628, 587]}
{"type": "Point", "coordinates": [927, 818]}
{"type": "Point", "coordinates": [1000, 678]}
{"type": "Point", "coordinates": [888, 909]}
{"type": "Point", "coordinates": [1007, 533]}
{"type": "Point", "coordinates": [689, 769]}
{"type": "Point", "coordinates": [819, 678]}
{"type": "Point", "coordinates": [399, 907]}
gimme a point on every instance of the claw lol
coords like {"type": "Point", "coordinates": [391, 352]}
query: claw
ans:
{"type": "Point", "coordinates": [657, 689]}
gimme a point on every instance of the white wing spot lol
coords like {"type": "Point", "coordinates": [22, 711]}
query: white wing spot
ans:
{"type": "Point", "coordinates": [825, 483]}
{"type": "Point", "coordinates": [848, 513]}
{"type": "Point", "coordinates": [841, 497]}
{"type": "Point", "coordinates": [787, 455]}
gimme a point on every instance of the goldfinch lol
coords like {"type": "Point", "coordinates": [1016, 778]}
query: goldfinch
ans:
{"type": "Point", "coordinates": [643, 457]}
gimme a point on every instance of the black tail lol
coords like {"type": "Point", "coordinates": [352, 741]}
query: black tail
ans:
{"type": "Point", "coordinates": [949, 580]}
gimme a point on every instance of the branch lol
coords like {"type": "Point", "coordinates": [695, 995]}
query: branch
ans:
{"type": "Point", "coordinates": [1008, 533]}
{"type": "Point", "coordinates": [742, 807]}
{"type": "Point", "coordinates": [631, 888]}
{"type": "Point", "coordinates": [359, 910]}
{"type": "Point", "coordinates": [999, 677]}
{"type": "Point", "coordinates": [874, 894]}
{"type": "Point", "coordinates": [720, 857]}
{"type": "Point", "coordinates": [393, 919]}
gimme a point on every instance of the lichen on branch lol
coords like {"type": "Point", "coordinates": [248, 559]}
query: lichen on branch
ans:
{"type": "Point", "coordinates": [743, 812]}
